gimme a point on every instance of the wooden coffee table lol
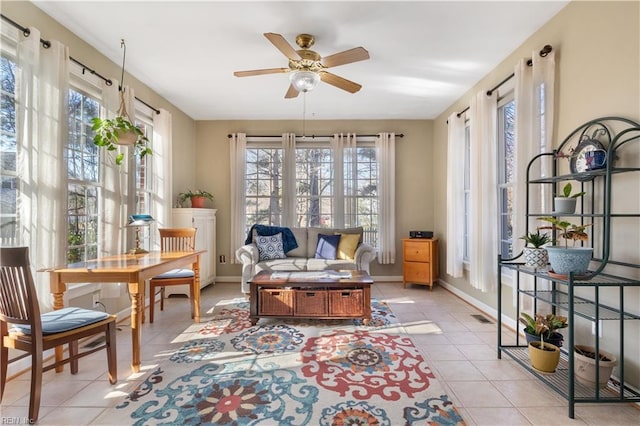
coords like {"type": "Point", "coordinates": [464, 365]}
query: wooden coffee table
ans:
{"type": "Point", "coordinates": [320, 295]}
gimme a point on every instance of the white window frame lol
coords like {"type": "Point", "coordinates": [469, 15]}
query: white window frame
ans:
{"type": "Point", "coordinates": [504, 184]}
{"type": "Point", "coordinates": [467, 195]}
{"type": "Point", "coordinates": [8, 52]}
{"type": "Point", "coordinates": [318, 142]}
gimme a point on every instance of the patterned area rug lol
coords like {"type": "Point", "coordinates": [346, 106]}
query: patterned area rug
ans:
{"type": "Point", "coordinates": [290, 372]}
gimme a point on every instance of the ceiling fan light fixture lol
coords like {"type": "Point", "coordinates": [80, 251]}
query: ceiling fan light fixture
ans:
{"type": "Point", "coordinates": [304, 81]}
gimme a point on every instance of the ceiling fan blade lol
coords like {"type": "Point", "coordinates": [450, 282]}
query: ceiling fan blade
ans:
{"type": "Point", "coordinates": [283, 45]}
{"type": "Point", "coordinates": [292, 92]}
{"type": "Point", "coordinates": [348, 56]}
{"type": "Point", "coordinates": [260, 72]}
{"type": "Point", "coordinates": [339, 82]}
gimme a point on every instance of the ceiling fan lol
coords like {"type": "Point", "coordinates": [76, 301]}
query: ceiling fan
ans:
{"type": "Point", "coordinates": [307, 67]}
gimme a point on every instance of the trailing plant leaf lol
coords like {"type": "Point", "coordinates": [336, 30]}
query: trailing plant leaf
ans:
{"type": "Point", "coordinates": [108, 131]}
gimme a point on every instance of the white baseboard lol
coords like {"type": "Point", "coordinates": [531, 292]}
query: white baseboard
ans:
{"type": "Point", "coordinates": [493, 313]}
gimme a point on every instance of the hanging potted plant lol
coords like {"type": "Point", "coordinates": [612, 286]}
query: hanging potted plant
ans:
{"type": "Point", "coordinates": [566, 203]}
{"type": "Point", "coordinates": [536, 256]}
{"type": "Point", "coordinates": [120, 130]}
{"type": "Point", "coordinates": [197, 197]}
{"type": "Point", "coordinates": [565, 259]}
{"type": "Point", "coordinates": [544, 328]}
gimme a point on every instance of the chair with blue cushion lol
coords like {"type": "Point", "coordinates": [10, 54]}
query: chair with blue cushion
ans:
{"type": "Point", "coordinates": [174, 240]}
{"type": "Point", "coordinates": [23, 328]}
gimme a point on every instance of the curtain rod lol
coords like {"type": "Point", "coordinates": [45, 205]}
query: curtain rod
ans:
{"type": "Point", "coordinates": [400, 135]}
{"type": "Point", "coordinates": [543, 52]}
{"type": "Point", "coordinates": [46, 44]}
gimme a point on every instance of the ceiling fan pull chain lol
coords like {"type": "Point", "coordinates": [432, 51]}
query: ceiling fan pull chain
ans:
{"type": "Point", "coordinates": [304, 114]}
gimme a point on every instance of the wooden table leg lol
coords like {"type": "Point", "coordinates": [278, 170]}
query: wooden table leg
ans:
{"type": "Point", "coordinates": [253, 303]}
{"type": "Point", "coordinates": [196, 290]}
{"type": "Point", "coordinates": [367, 304]}
{"type": "Point", "coordinates": [136, 324]}
{"type": "Point", "coordinates": [57, 291]}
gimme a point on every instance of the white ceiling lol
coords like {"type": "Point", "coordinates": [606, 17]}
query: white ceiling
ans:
{"type": "Point", "coordinates": [424, 55]}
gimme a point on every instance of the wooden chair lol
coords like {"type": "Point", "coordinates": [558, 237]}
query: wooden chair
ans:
{"type": "Point", "coordinates": [35, 333]}
{"type": "Point", "coordinates": [174, 239]}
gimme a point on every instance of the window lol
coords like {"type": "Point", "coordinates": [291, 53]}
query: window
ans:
{"type": "Point", "coordinates": [506, 170]}
{"type": "Point", "coordinates": [263, 186]}
{"type": "Point", "coordinates": [467, 194]}
{"type": "Point", "coordinates": [143, 189]}
{"type": "Point", "coordinates": [315, 186]}
{"type": "Point", "coordinates": [365, 196]}
{"type": "Point", "coordinates": [84, 185]}
{"type": "Point", "coordinates": [8, 153]}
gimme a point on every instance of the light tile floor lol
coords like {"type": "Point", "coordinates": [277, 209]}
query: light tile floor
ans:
{"type": "Point", "coordinates": [460, 350]}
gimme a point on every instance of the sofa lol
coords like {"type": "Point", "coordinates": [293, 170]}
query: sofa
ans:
{"type": "Point", "coordinates": [350, 252]}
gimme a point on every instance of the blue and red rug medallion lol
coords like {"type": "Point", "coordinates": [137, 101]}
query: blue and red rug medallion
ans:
{"type": "Point", "coordinates": [293, 372]}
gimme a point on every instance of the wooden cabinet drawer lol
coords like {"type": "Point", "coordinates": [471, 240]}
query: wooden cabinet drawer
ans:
{"type": "Point", "coordinates": [275, 302]}
{"type": "Point", "coordinates": [417, 272]}
{"type": "Point", "coordinates": [348, 303]}
{"type": "Point", "coordinates": [310, 303]}
{"type": "Point", "coordinates": [417, 251]}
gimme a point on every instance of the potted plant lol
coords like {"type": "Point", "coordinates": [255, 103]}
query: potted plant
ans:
{"type": "Point", "coordinates": [120, 130]}
{"type": "Point", "coordinates": [544, 328]}
{"type": "Point", "coordinates": [585, 365]}
{"type": "Point", "coordinates": [197, 197]}
{"type": "Point", "coordinates": [111, 132]}
{"type": "Point", "coordinates": [536, 256]}
{"type": "Point", "coordinates": [565, 259]}
{"type": "Point", "coordinates": [544, 356]}
{"type": "Point", "coordinates": [566, 203]}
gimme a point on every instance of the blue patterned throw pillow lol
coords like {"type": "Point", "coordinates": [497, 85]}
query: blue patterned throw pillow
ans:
{"type": "Point", "coordinates": [270, 247]}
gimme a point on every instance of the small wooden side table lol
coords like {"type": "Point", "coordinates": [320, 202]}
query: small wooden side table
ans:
{"type": "Point", "coordinates": [419, 261]}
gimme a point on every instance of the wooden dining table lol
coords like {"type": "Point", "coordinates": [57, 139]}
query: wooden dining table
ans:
{"type": "Point", "coordinates": [132, 269]}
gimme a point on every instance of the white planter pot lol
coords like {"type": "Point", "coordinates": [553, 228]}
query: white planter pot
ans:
{"type": "Point", "coordinates": [585, 367]}
{"type": "Point", "coordinates": [570, 259]}
{"type": "Point", "coordinates": [127, 138]}
{"type": "Point", "coordinates": [564, 205]}
{"type": "Point", "coordinates": [535, 257]}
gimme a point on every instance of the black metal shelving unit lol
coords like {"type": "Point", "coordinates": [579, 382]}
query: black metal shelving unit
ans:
{"type": "Point", "coordinates": [581, 297]}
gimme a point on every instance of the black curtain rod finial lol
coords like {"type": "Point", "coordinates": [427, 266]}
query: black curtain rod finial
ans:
{"type": "Point", "coordinates": [543, 53]}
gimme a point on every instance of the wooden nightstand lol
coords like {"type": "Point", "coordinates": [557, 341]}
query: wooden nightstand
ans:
{"type": "Point", "coordinates": [419, 261]}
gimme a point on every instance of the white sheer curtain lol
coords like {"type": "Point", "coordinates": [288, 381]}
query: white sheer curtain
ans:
{"type": "Point", "coordinates": [288, 180]}
{"type": "Point", "coordinates": [455, 195]}
{"type": "Point", "coordinates": [483, 210]}
{"type": "Point", "coordinates": [41, 119]}
{"type": "Point", "coordinates": [237, 149]}
{"type": "Point", "coordinates": [162, 169]}
{"type": "Point", "coordinates": [534, 97]}
{"type": "Point", "coordinates": [385, 149]}
{"type": "Point", "coordinates": [345, 179]}
{"type": "Point", "coordinates": [114, 185]}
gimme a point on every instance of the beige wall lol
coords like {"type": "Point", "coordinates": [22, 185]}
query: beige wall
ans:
{"type": "Point", "coordinates": [414, 176]}
{"type": "Point", "coordinates": [598, 74]}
